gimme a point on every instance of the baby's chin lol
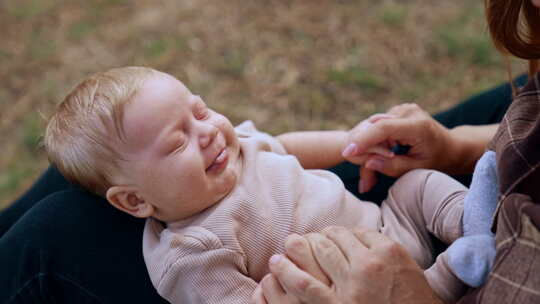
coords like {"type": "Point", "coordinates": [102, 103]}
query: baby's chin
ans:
{"type": "Point", "coordinates": [227, 185]}
{"type": "Point", "coordinates": [229, 182]}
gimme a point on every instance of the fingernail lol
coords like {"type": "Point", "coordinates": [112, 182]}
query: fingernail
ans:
{"type": "Point", "coordinates": [375, 164]}
{"type": "Point", "coordinates": [350, 150]}
{"type": "Point", "coordinates": [276, 258]}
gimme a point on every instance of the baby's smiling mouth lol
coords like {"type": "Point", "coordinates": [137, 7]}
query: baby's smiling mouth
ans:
{"type": "Point", "coordinates": [219, 162]}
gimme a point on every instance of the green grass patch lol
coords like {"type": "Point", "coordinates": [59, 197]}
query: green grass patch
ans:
{"type": "Point", "coordinates": [356, 76]}
{"type": "Point", "coordinates": [461, 40]}
{"type": "Point", "coordinates": [27, 9]}
{"type": "Point", "coordinates": [81, 29]}
{"type": "Point", "coordinates": [41, 47]}
{"type": "Point", "coordinates": [31, 134]}
{"type": "Point", "coordinates": [155, 48]}
{"type": "Point", "coordinates": [393, 15]}
{"type": "Point", "coordinates": [104, 4]}
{"type": "Point", "coordinates": [232, 63]}
{"type": "Point", "coordinates": [410, 93]}
{"type": "Point", "coordinates": [4, 97]}
{"type": "Point", "coordinates": [314, 101]}
{"type": "Point", "coordinates": [180, 43]}
{"type": "Point", "coordinates": [5, 55]}
{"type": "Point", "coordinates": [459, 43]}
{"type": "Point", "coordinates": [12, 178]}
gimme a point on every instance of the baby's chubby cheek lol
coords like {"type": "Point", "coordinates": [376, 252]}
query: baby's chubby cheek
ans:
{"type": "Point", "coordinates": [226, 183]}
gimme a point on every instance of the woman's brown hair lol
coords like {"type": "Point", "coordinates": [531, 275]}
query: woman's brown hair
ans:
{"type": "Point", "coordinates": [515, 29]}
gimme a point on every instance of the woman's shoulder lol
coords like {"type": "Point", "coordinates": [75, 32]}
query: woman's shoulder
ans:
{"type": "Point", "coordinates": [516, 141]}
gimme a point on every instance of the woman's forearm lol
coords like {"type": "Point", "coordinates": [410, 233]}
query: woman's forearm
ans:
{"type": "Point", "coordinates": [470, 142]}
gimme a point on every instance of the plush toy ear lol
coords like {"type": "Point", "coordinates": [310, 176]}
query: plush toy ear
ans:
{"type": "Point", "coordinates": [127, 199]}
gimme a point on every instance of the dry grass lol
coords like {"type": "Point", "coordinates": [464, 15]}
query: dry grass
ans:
{"type": "Point", "coordinates": [287, 65]}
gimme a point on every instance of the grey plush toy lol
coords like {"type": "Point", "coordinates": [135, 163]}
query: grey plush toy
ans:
{"type": "Point", "coordinates": [471, 256]}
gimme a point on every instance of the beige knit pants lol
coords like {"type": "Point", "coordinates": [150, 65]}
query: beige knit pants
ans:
{"type": "Point", "coordinates": [423, 202]}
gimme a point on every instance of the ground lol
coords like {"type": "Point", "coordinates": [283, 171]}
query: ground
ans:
{"type": "Point", "coordinates": [286, 65]}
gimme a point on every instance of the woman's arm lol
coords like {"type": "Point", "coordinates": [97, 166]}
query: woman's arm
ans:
{"type": "Point", "coordinates": [432, 146]}
{"type": "Point", "coordinates": [470, 144]}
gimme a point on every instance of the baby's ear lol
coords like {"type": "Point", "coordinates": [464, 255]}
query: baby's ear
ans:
{"type": "Point", "coordinates": [127, 199]}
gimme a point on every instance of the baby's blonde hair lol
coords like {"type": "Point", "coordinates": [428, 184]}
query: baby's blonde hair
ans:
{"type": "Point", "coordinates": [81, 135]}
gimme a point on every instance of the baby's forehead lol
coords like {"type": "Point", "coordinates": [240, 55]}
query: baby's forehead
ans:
{"type": "Point", "coordinates": [161, 99]}
{"type": "Point", "coordinates": [139, 127]}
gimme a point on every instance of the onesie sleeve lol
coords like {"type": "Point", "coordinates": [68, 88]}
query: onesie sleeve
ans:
{"type": "Point", "coordinates": [196, 268]}
{"type": "Point", "coordinates": [247, 130]}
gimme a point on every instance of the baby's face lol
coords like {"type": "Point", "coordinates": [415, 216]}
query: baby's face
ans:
{"type": "Point", "coordinates": [181, 156]}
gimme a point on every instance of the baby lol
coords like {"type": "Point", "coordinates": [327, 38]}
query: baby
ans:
{"type": "Point", "coordinates": [219, 200]}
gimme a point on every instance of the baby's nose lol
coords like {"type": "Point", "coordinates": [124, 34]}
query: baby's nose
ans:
{"type": "Point", "coordinates": [207, 135]}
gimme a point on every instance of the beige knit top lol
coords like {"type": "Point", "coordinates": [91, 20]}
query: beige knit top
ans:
{"type": "Point", "coordinates": [220, 254]}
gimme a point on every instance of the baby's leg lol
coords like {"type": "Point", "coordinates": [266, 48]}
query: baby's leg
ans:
{"type": "Point", "coordinates": [423, 202]}
{"type": "Point", "coordinates": [420, 202]}
{"type": "Point", "coordinates": [443, 281]}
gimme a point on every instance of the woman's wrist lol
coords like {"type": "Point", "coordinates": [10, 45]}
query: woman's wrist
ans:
{"type": "Point", "coordinates": [467, 145]}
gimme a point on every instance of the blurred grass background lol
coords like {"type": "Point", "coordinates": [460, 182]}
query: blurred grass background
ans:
{"type": "Point", "coordinates": [287, 65]}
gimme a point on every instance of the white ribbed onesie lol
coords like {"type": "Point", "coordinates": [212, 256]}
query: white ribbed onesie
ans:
{"type": "Point", "coordinates": [220, 254]}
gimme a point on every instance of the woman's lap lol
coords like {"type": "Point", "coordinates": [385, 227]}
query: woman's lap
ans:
{"type": "Point", "coordinates": [49, 182]}
{"type": "Point", "coordinates": [74, 247]}
{"type": "Point", "coordinates": [58, 241]}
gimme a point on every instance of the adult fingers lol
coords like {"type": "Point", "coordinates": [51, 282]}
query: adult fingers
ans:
{"type": "Point", "coordinates": [346, 241]}
{"type": "Point", "coordinates": [395, 166]}
{"type": "Point", "coordinates": [258, 297]}
{"type": "Point", "coordinates": [405, 110]}
{"type": "Point", "coordinates": [298, 283]}
{"type": "Point", "coordinates": [299, 252]}
{"type": "Point", "coordinates": [392, 167]}
{"type": "Point", "coordinates": [376, 117]}
{"type": "Point", "coordinates": [370, 238]}
{"type": "Point", "coordinates": [350, 153]}
{"type": "Point", "coordinates": [331, 259]}
{"type": "Point", "coordinates": [379, 132]}
{"type": "Point", "coordinates": [352, 156]}
{"type": "Point", "coordinates": [273, 292]}
{"type": "Point", "coordinates": [365, 126]}
{"type": "Point", "coordinates": [368, 179]}
{"type": "Point", "coordinates": [381, 150]}
{"type": "Point", "coordinates": [400, 121]}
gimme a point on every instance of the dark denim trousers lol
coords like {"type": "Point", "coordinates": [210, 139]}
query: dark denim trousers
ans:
{"type": "Point", "coordinates": [60, 244]}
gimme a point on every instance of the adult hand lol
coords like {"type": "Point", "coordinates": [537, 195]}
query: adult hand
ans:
{"type": "Point", "coordinates": [298, 250]}
{"type": "Point", "coordinates": [431, 144]}
{"type": "Point", "coordinates": [363, 267]}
